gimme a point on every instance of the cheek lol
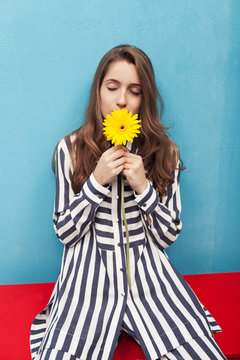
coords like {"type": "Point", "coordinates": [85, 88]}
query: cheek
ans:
{"type": "Point", "coordinates": [102, 102]}
{"type": "Point", "coordinates": [136, 105]}
{"type": "Point", "coordinates": [105, 99]}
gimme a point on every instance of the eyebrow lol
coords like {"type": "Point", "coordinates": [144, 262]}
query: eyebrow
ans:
{"type": "Point", "coordinates": [118, 82]}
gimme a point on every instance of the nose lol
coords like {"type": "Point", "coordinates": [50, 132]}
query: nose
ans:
{"type": "Point", "coordinates": [122, 100]}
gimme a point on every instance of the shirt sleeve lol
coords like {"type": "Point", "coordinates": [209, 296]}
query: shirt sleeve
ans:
{"type": "Point", "coordinates": [162, 217]}
{"type": "Point", "coordinates": [74, 213]}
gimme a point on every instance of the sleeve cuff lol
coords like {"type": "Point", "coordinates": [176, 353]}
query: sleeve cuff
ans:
{"type": "Point", "coordinates": [94, 192]}
{"type": "Point", "coordinates": [148, 200]}
{"type": "Point", "coordinates": [99, 188]}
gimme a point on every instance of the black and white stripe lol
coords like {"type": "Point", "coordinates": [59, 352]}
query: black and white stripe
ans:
{"type": "Point", "coordinates": [91, 296]}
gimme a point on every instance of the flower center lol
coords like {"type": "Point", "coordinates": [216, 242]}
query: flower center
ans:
{"type": "Point", "coordinates": [122, 127]}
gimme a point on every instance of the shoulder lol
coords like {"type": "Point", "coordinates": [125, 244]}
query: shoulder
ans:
{"type": "Point", "coordinates": [65, 143]}
{"type": "Point", "coordinates": [63, 149]}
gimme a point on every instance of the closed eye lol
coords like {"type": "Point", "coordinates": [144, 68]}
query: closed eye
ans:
{"type": "Point", "coordinates": [111, 89]}
{"type": "Point", "coordinates": [135, 93]}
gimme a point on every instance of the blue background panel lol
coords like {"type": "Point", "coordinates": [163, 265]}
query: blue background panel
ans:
{"type": "Point", "coordinates": [49, 53]}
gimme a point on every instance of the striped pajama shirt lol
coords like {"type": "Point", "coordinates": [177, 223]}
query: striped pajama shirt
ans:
{"type": "Point", "coordinates": [91, 301]}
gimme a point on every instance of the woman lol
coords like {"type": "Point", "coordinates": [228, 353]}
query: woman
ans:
{"type": "Point", "coordinates": [92, 302]}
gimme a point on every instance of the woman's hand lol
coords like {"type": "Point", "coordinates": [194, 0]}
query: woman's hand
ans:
{"type": "Point", "coordinates": [134, 171]}
{"type": "Point", "coordinates": [110, 165]}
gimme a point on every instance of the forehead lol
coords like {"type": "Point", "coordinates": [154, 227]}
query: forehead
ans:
{"type": "Point", "coordinates": [122, 71]}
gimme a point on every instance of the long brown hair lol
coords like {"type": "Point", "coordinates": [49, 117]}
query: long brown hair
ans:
{"type": "Point", "coordinates": [159, 153]}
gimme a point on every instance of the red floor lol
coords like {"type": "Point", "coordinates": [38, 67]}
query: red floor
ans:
{"type": "Point", "coordinates": [220, 293]}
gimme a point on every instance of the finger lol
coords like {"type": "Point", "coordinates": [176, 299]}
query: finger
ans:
{"type": "Point", "coordinates": [129, 160]}
{"type": "Point", "coordinates": [117, 154]}
{"type": "Point", "coordinates": [130, 155]}
{"type": "Point", "coordinates": [114, 154]}
{"type": "Point", "coordinates": [112, 149]}
{"type": "Point", "coordinates": [127, 166]}
{"type": "Point", "coordinates": [118, 162]}
{"type": "Point", "coordinates": [126, 173]}
{"type": "Point", "coordinates": [132, 158]}
{"type": "Point", "coordinates": [118, 169]}
{"type": "Point", "coordinates": [120, 147]}
{"type": "Point", "coordinates": [123, 148]}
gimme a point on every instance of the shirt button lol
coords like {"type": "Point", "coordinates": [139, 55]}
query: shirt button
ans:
{"type": "Point", "coordinates": [116, 220]}
{"type": "Point", "coordinates": [122, 269]}
{"type": "Point", "coordinates": [144, 204]}
{"type": "Point", "coordinates": [117, 197]}
{"type": "Point", "coordinates": [119, 244]}
{"type": "Point", "coordinates": [99, 196]}
{"type": "Point", "coordinates": [123, 293]}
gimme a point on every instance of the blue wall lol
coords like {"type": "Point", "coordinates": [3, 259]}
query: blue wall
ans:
{"type": "Point", "coordinates": [49, 52]}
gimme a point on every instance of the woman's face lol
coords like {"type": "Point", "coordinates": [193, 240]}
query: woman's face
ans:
{"type": "Point", "coordinates": [121, 88]}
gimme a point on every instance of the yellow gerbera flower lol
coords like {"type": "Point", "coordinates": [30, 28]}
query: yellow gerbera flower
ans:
{"type": "Point", "coordinates": [121, 126]}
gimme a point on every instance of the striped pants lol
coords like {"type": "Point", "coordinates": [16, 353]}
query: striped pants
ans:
{"type": "Point", "coordinates": [200, 348]}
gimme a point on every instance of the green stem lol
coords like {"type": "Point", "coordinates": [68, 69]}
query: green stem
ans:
{"type": "Point", "coordinates": [127, 234]}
